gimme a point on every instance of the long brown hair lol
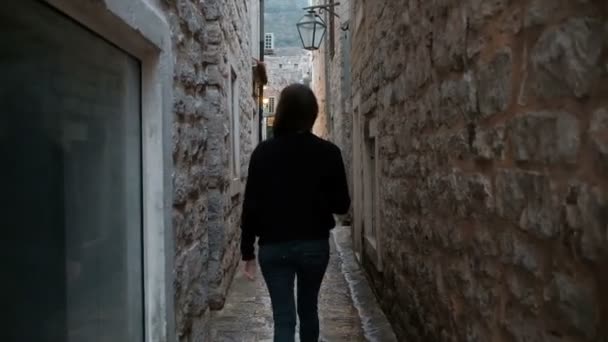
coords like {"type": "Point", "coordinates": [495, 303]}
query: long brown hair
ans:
{"type": "Point", "coordinates": [296, 111]}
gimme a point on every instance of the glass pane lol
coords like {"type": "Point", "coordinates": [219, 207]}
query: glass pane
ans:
{"type": "Point", "coordinates": [306, 33]}
{"type": "Point", "coordinates": [319, 34]}
{"type": "Point", "coordinates": [306, 27]}
{"type": "Point", "coordinates": [71, 205]}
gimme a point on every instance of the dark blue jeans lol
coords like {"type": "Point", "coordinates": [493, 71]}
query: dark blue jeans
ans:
{"type": "Point", "coordinates": [281, 264]}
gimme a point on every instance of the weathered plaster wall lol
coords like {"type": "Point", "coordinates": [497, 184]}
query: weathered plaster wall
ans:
{"type": "Point", "coordinates": [332, 85]}
{"type": "Point", "coordinates": [209, 38]}
{"type": "Point", "coordinates": [338, 90]}
{"type": "Point", "coordinates": [493, 128]}
{"type": "Point", "coordinates": [322, 127]}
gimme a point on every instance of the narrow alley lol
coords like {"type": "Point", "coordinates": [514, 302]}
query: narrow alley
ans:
{"type": "Point", "coordinates": [247, 315]}
{"type": "Point", "coordinates": [473, 136]}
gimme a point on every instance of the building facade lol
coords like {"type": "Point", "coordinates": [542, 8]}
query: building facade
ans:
{"type": "Point", "coordinates": [128, 127]}
{"type": "Point", "coordinates": [479, 165]}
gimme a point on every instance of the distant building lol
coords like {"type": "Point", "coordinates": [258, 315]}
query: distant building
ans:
{"type": "Point", "coordinates": [280, 18]}
{"type": "Point", "coordinates": [286, 61]}
{"type": "Point", "coordinates": [285, 67]}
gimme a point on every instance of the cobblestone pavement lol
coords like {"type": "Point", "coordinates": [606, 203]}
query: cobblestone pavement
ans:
{"type": "Point", "coordinates": [247, 315]}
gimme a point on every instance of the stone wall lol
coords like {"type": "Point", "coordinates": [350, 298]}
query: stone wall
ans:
{"type": "Point", "coordinates": [286, 66]}
{"type": "Point", "coordinates": [493, 127]}
{"type": "Point", "coordinates": [210, 38]}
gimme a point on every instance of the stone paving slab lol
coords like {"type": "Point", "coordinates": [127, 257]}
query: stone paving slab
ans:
{"type": "Point", "coordinates": [247, 314]}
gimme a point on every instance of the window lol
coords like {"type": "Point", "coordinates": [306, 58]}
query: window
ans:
{"type": "Point", "coordinates": [280, 66]}
{"type": "Point", "coordinates": [270, 105]}
{"type": "Point", "coordinates": [370, 156]}
{"type": "Point", "coordinates": [255, 129]}
{"type": "Point", "coordinates": [70, 129]}
{"type": "Point", "coordinates": [367, 217]}
{"type": "Point", "coordinates": [269, 41]}
{"type": "Point", "coordinates": [271, 102]}
{"type": "Point", "coordinates": [235, 136]}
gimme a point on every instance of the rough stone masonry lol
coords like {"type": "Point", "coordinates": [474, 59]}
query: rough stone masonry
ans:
{"type": "Point", "coordinates": [211, 39]}
{"type": "Point", "coordinates": [493, 121]}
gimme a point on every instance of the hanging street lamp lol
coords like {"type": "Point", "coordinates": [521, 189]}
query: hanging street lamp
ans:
{"type": "Point", "coordinates": [312, 28]}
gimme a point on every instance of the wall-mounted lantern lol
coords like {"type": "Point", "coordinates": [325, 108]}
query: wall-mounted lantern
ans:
{"type": "Point", "coordinates": [312, 27]}
{"type": "Point", "coordinates": [312, 30]}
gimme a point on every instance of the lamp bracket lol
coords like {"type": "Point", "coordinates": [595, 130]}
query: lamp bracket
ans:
{"type": "Point", "coordinates": [322, 8]}
{"type": "Point", "coordinates": [330, 8]}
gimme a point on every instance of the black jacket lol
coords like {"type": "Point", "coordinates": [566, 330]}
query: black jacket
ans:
{"type": "Point", "coordinates": [295, 185]}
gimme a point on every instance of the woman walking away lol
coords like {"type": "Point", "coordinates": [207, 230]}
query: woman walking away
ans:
{"type": "Point", "coordinates": [296, 183]}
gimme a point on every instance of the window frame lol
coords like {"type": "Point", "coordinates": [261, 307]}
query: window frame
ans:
{"type": "Point", "coordinates": [270, 107]}
{"type": "Point", "coordinates": [235, 123]}
{"type": "Point", "coordinates": [371, 227]}
{"type": "Point", "coordinates": [367, 242]}
{"type": "Point", "coordinates": [272, 100]}
{"type": "Point", "coordinates": [147, 37]}
{"type": "Point", "coordinates": [269, 37]}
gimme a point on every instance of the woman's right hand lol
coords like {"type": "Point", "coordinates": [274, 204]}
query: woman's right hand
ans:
{"type": "Point", "coordinates": [250, 269]}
